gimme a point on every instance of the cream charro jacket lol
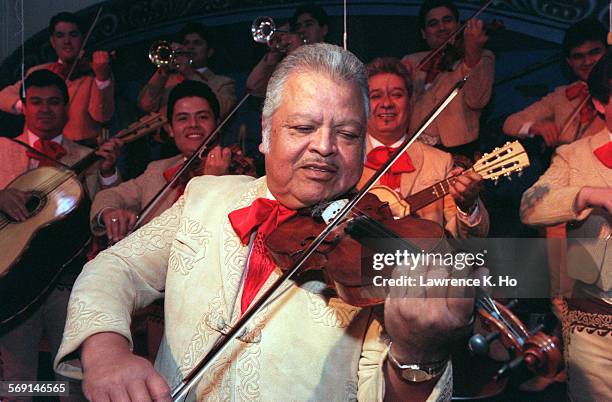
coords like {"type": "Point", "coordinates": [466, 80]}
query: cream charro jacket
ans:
{"type": "Point", "coordinates": [304, 346]}
{"type": "Point", "coordinates": [550, 201]}
{"type": "Point", "coordinates": [459, 123]}
{"type": "Point", "coordinates": [557, 108]}
{"type": "Point", "coordinates": [135, 194]}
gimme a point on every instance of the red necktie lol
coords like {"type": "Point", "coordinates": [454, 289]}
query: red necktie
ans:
{"type": "Point", "coordinates": [432, 68]}
{"type": "Point", "coordinates": [581, 90]}
{"type": "Point", "coordinates": [265, 215]}
{"type": "Point", "coordinates": [50, 148]}
{"type": "Point", "coordinates": [604, 154]}
{"type": "Point", "coordinates": [392, 179]}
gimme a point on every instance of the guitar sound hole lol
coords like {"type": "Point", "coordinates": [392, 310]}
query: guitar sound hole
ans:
{"type": "Point", "coordinates": [35, 203]}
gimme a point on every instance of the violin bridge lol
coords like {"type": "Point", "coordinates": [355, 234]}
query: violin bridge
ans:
{"type": "Point", "coordinates": [330, 212]}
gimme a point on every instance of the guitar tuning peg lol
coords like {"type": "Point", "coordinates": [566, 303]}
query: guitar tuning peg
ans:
{"type": "Point", "coordinates": [496, 149]}
{"type": "Point", "coordinates": [495, 181]}
{"type": "Point", "coordinates": [520, 174]}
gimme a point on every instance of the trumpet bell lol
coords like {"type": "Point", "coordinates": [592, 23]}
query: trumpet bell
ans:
{"type": "Point", "coordinates": [161, 53]}
{"type": "Point", "coordinates": [263, 29]}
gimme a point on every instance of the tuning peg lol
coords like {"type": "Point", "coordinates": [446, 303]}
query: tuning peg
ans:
{"type": "Point", "coordinates": [537, 328]}
{"type": "Point", "coordinates": [508, 367]}
{"type": "Point", "coordinates": [479, 345]}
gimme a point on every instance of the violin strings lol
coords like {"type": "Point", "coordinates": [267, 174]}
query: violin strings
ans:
{"type": "Point", "coordinates": [489, 306]}
{"type": "Point", "coordinates": [45, 188]}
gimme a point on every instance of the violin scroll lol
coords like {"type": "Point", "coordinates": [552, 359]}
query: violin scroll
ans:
{"type": "Point", "coordinates": [536, 350]}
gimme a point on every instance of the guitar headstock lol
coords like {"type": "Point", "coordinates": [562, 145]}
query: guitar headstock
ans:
{"type": "Point", "coordinates": [142, 127]}
{"type": "Point", "coordinates": [502, 161]}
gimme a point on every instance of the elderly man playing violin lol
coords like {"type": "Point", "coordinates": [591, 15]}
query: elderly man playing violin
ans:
{"type": "Point", "coordinates": [207, 254]}
{"type": "Point", "coordinates": [90, 86]}
{"type": "Point", "coordinates": [461, 212]}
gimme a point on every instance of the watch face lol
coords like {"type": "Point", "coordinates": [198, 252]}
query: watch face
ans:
{"type": "Point", "coordinates": [415, 375]}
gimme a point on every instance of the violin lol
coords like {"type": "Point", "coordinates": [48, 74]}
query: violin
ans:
{"type": "Point", "coordinates": [453, 52]}
{"type": "Point", "coordinates": [345, 255]}
{"type": "Point", "coordinates": [81, 69]}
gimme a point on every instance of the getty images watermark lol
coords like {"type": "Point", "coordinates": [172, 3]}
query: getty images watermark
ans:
{"type": "Point", "coordinates": [506, 267]}
{"type": "Point", "coordinates": [404, 260]}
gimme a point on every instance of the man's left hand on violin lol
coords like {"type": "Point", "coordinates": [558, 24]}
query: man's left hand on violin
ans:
{"type": "Point", "coordinates": [100, 64]}
{"type": "Point", "coordinates": [218, 161]}
{"type": "Point", "coordinates": [475, 38]}
{"type": "Point", "coordinates": [465, 189]}
{"type": "Point", "coordinates": [110, 152]}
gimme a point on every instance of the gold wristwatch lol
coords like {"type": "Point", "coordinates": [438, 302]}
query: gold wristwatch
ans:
{"type": "Point", "coordinates": [417, 372]}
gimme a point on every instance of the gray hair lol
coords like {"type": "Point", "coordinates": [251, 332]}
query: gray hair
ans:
{"type": "Point", "coordinates": [338, 64]}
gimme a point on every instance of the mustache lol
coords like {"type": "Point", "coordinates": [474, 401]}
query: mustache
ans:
{"type": "Point", "coordinates": [323, 162]}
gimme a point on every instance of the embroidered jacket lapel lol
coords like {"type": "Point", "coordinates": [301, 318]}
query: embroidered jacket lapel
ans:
{"type": "Point", "coordinates": [233, 253]}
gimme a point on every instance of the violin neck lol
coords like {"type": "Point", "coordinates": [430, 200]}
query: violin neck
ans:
{"type": "Point", "coordinates": [430, 194]}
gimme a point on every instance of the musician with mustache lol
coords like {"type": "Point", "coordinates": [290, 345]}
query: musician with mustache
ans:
{"type": "Point", "coordinates": [207, 255]}
{"type": "Point", "coordinates": [45, 107]}
{"type": "Point", "coordinates": [91, 86]}
{"type": "Point", "coordinates": [577, 190]}
{"type": "Point", "coordinates": [461, 212]}
{"type": "Point", "coordinates": [457, 128]}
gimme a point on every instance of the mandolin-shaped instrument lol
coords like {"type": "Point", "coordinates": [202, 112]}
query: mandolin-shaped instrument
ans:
{"type": "Point", "coordinates": [501, 162]}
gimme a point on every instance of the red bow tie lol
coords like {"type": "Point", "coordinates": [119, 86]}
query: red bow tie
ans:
{"type": "Point", "coordinates": [432, 68]}
{"type": "Point", "coordinates": [580, 90]}
{"type": "Point", "coordinates": [182, 181]}
{"type": "Point", "coordinates": [50, 148]}
{"type": "Point", "coordinates": [604, 154]}
{"type": "Point", "coordinates": [392, 179]}
{"type": "Point", "coordinates": [264, 216]}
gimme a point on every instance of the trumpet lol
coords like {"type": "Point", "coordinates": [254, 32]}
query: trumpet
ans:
{"type": "Point", "coordinates": [264, 30]}
{"type": "Point", "coordinates": [162, 54]}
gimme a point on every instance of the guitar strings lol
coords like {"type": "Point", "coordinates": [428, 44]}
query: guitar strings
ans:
{"type": "Point", "coordinates": [45, 188]}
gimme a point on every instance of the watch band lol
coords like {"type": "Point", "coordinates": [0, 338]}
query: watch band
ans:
{"type": "Point", "coordinates": [417, 372]}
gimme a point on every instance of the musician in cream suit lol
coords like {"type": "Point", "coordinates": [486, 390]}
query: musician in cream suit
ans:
{"type": "Point", "coordinates": [197, 42]}
{"type": "Point", "coordinates": [456, 129]}
{"type": "Point", "coordinates": [553, 117]}
{"type": "Point", "coordinates": [92, 101]}
{"type": "Point", "coordinates": [45, 109]}
{"type": "Point", "coordinates": [577, 189]}
{"type": "Point", "coordinates": [460, 212]}
{"type": "Point", "coordinates": [306, 344]}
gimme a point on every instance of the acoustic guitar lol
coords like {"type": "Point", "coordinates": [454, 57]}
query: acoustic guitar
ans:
{"type": "Point", "coordinates": [36, 251]}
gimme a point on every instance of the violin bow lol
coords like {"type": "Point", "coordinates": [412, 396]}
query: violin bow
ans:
{"type": "Point", "coordinates": [571, 117]}
{"type": "Point", "coordinates": [195, 375]}
{"type": "Point", "coordinates": [146, 211]}
{"type": "Point", "coordinates": [452, 36]}
{"type": "Point", "coordinates": [83, 44]}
